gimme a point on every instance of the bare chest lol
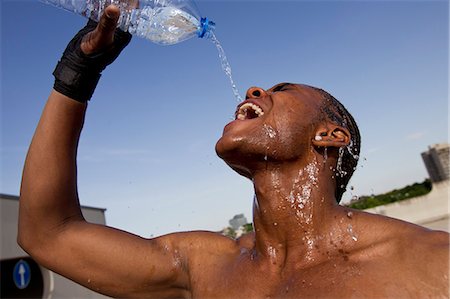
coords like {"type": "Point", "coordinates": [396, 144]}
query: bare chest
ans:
{"type": "Point", "coordinates": [334, 280]}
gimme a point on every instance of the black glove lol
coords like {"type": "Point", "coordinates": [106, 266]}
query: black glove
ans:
{"type": "Point", "coordinates": [77, 74]}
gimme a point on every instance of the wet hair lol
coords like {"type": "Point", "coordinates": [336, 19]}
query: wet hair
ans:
{"type": "Point", "coordinates": [348, 156]}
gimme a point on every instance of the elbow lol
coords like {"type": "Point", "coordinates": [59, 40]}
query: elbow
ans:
{"type": "Point", "coordinates": [24, 240]}
{"type": "Point", "coordinates": [32, 244]}
{"type": "Point", "coordinates": [26, 234]}
{"type": "Point", "coordinates": [21, 242]}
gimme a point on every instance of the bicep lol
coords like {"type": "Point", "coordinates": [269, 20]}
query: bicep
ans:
{"type": "Point", "coordinates": [116, 263]}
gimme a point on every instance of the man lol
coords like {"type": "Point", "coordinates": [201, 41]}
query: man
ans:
{"type": "Point", "coordinates": [296, 143]}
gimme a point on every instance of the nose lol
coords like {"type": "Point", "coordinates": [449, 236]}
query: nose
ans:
{"type": "Point", "coordinates": [255, 92]}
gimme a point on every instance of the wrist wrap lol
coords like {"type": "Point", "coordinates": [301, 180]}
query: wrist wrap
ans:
{"type": "Point", "coordinates": [77, 74]}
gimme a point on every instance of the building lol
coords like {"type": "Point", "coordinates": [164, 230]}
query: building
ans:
{"type": "Point", "coordinates": [21, 276]}
{"type": "Point", "coordinates": [436, 161]}
{"type": "Point", "coordinates": [237, 221]}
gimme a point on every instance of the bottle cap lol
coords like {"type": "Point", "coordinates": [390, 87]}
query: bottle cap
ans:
{"type": "Point", "coordinates": [206, 28]}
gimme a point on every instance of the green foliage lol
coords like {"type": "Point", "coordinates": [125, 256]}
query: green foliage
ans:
{"type": "Point", "coordinates": [229, 232]}
{"type": "Point", "coordinates": [248, 228]}
{"type": "Point", "coordinates": [410, 191]}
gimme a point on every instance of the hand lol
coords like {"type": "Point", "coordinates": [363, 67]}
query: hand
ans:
{"type": "Point", "coordinates": [91, 50]}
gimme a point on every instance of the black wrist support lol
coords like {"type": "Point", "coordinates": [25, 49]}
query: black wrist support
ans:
{"type": "Point", "coordinates": [77, 74]}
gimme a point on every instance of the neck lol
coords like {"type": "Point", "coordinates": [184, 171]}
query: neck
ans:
{"type": "Point", "coordinates": [295, 211]}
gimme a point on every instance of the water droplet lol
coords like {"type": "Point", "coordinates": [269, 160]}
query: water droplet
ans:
{"type": "Point", "coordinates": [352, 233]}
{"type": "Point", "coordinates": [275, 224]}
{"type": "Point", "coordinates": [350, 214]}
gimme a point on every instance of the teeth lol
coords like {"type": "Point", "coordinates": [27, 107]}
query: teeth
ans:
{"type": "Point", "coordinates": [242, 113]}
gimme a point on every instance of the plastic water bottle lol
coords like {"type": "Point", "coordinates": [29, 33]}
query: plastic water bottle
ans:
{"type": "Point", "coordinates": [164, 22]}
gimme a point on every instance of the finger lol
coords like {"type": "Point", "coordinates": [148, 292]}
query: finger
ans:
{"type": "Point", "coordinates": [108, 22]}
{"type": "Point", "coordinates": [103, 35]}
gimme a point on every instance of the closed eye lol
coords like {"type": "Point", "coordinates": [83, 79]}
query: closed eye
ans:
{"type": "Point", "coordinates": [281, 87]}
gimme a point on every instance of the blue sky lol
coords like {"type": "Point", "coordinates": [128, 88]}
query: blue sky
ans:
{"type": "Point", "coordinates": [147, 149]}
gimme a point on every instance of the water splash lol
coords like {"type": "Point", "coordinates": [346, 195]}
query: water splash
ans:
{"type": "Point", "coordinates": [226, 66]}
{"type": "Point", "coordinates": [340, 171]}
{"type": "Point", "coordinates": [349, 148]}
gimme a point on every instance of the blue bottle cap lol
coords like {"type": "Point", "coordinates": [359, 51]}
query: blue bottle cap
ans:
{"type": "Point", "coordinates": [206, 27]}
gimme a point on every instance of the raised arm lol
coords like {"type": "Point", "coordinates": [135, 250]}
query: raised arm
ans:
{"type": "Point", "coordinates": [51, 227]}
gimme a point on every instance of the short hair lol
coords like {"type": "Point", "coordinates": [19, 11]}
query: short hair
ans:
{"type": "Point", "coordinates": [349, 155]}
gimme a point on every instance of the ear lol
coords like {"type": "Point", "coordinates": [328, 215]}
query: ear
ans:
{"type": "Point", "coordinates": [331, 135]}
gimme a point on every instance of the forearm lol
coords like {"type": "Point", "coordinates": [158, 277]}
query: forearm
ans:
{"type": "Point", "coordinates": [48, 196]}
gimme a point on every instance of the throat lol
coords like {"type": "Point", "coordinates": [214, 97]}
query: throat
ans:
{"type": "Point", "coordinates": [293, 212]}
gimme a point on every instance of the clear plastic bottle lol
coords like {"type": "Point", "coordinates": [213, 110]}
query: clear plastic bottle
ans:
{"type": "Point", "coordinates": [164, 22]}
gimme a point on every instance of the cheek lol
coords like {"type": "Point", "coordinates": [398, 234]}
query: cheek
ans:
{"type": "Point", "coordinates": [292, 137]}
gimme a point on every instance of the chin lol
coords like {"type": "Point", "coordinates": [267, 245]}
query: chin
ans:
{"type": "Point", "coordinates": [225, 148]}
{"type": "Point", "coordinates": [231, 153]}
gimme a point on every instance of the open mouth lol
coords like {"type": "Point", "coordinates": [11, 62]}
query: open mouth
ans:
{"type": "Point", "coordinates": [249, 111]}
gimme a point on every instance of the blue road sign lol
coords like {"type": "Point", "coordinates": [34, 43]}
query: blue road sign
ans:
{"type": "Point", "coordinates": [22, 274]}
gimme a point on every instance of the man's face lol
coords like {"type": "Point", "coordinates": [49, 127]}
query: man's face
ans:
{"type": "Point", "coordinates": [271, 125]}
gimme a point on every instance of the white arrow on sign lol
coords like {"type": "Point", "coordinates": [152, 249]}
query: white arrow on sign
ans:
{"type": "Point", "coordinates": [22, 272]}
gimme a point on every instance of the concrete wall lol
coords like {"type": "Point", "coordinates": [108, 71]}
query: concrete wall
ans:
{"type": "Point", "coordinates": [55, 286]}
{"type": "Point", "coordinates": [430, 210]}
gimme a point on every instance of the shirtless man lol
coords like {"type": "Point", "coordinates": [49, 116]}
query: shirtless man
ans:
{"type": "Point", "coordinates": [287, 140]}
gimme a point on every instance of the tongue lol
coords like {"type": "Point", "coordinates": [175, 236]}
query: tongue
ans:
{"type": "Point", "coordinates": [250, 113]}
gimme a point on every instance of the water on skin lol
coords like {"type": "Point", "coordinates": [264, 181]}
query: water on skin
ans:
{"type": "Point", "coordinates": [270, 131]}
{"type": "Point", "coordinates": [226, 66]}
{"type": "Point", "coordinates": [272, 253]}
{"type": "Point", "coordinates": [352, 233]}
{"type": "Point", "coordinates": [299, 199]}
{"type": "Point", "coordinates": [301, 191]}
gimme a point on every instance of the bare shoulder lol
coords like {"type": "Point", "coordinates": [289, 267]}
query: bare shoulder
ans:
{"type": "Point", "coordinates": [425, 255]}
{"type": "Point", "coordinates": [421, 255]}
{"type": "Point", "coordinates": [405, 236]}
{"type": "Point", "coordinates": [433, 246]}
{"type": "Point", "coordinates": [202, 244]}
